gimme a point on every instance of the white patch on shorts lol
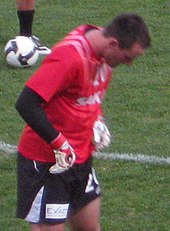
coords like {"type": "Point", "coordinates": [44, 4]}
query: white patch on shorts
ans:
{"type": "Point", "coordinates": [92, 183]}
{"type": "Point", "coordinates": [56, 211]}
{"type": "Point", "coordinates": [34, 213]}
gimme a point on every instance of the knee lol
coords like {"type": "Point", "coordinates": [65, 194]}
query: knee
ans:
{"type": "Point", "coordinates": [87, 227]}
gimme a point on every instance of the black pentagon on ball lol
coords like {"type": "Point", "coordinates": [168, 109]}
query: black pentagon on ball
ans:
{"type": "Point", "coordinates": [23, 58]}
{"type": "Point", "coordinates": [12, 48]}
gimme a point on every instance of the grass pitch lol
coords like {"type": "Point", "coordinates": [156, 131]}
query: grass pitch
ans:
{"type": "Point", "coordinates": [137, 108]}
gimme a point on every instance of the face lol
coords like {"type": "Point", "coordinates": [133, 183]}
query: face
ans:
{"type": "Point", "coordinates": [114, 55]}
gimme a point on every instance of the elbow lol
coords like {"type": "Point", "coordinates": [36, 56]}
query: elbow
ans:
{"type": "Point", "coordinates": [18, 105]}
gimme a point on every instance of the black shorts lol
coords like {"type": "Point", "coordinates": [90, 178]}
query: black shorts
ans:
{"type": "Point", "coordinates": [49, 198]}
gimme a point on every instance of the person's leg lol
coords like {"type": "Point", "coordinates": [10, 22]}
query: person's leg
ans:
{"type": "Point", "coordinates": [86, 218]}
{"type": "Point", "coordinates": [35, 227]}
{"type": "Point", "coordinates": [25, 4]}
{"type": "Point", "coordinates": [25, 12]}
{"type": "Point", "coordinates": [41, 198]}
{"type": "Point", "coordinates": [46, 227]}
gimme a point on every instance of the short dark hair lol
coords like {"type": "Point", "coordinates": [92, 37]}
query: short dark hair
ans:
{"type": "Point", "coordinates": [128, 29]}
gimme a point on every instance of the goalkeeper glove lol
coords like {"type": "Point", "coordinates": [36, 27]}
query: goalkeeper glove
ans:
{"type": "Point", "coordinates": [64, 155]}
{"type": "Point", "coordinates": [101, 135]}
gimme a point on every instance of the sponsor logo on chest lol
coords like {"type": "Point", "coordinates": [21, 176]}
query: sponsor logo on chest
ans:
{"type": "Point", "coordinates": [95, 98]}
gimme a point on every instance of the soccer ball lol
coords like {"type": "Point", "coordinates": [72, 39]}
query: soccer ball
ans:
{"type": "Point", "coordinates": [21, 52]}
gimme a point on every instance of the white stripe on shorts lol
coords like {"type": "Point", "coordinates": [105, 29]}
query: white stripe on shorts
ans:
{"type": "Point", "coordinates": [34, 213]}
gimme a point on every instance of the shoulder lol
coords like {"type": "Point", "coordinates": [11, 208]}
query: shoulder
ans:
{"type": "Point", "coordinates": [65, 53]}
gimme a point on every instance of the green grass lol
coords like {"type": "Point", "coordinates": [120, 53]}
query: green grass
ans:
{"type": "Point", "coordinates": [137, 108]}
{"type": "Point", "coordinates": [134, 198]}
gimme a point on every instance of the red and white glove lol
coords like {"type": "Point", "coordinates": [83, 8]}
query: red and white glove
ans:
{"type": "Point", "coordinates": [101, 135]}
{"type": "Point", "coordinates": [64, 155]}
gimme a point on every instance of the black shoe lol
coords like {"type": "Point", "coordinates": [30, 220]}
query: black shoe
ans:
{"type": "Point", "coordinates": [42, 50]}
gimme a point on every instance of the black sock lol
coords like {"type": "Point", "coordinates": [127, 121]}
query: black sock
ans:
{"type": "Point", "coordinates": [25, 22]}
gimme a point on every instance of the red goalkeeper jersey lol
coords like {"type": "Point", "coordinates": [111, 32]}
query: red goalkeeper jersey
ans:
{"type": "Point", "coordinates": [72, 81]}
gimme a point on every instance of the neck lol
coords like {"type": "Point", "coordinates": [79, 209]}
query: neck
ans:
{"type": "Point", "coordinates": [96, 40]}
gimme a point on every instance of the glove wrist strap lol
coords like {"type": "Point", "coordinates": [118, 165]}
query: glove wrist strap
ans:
{"type": "Point", "coordinates": [58, 141]}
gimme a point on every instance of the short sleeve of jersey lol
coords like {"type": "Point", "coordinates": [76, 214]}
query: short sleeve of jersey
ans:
{"type": "Point", "coordinates": [55, 73]}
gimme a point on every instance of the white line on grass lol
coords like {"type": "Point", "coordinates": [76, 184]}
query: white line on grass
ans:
{"type": "Point", "coordinates": [10, 149]}
{"type": "Point", "coordinates": [7, 148]}
{"type": "Point", "coordinates": [133, 157]}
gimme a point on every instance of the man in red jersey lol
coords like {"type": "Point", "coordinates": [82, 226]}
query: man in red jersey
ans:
{"type": "Point", "coordinates": [61, 104]}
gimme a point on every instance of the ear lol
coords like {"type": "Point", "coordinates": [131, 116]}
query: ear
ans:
{"type": "Point", "coordinates": [113, 42]}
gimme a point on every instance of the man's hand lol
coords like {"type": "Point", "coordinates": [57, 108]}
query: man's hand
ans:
{"type": "Point", "coordinates": [64, 155]}
{"type": "Point", "coordinates": [102, 136]}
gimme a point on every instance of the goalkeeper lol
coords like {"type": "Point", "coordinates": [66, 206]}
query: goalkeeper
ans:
{"type": "Point", "coordinates": [61, 104]}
